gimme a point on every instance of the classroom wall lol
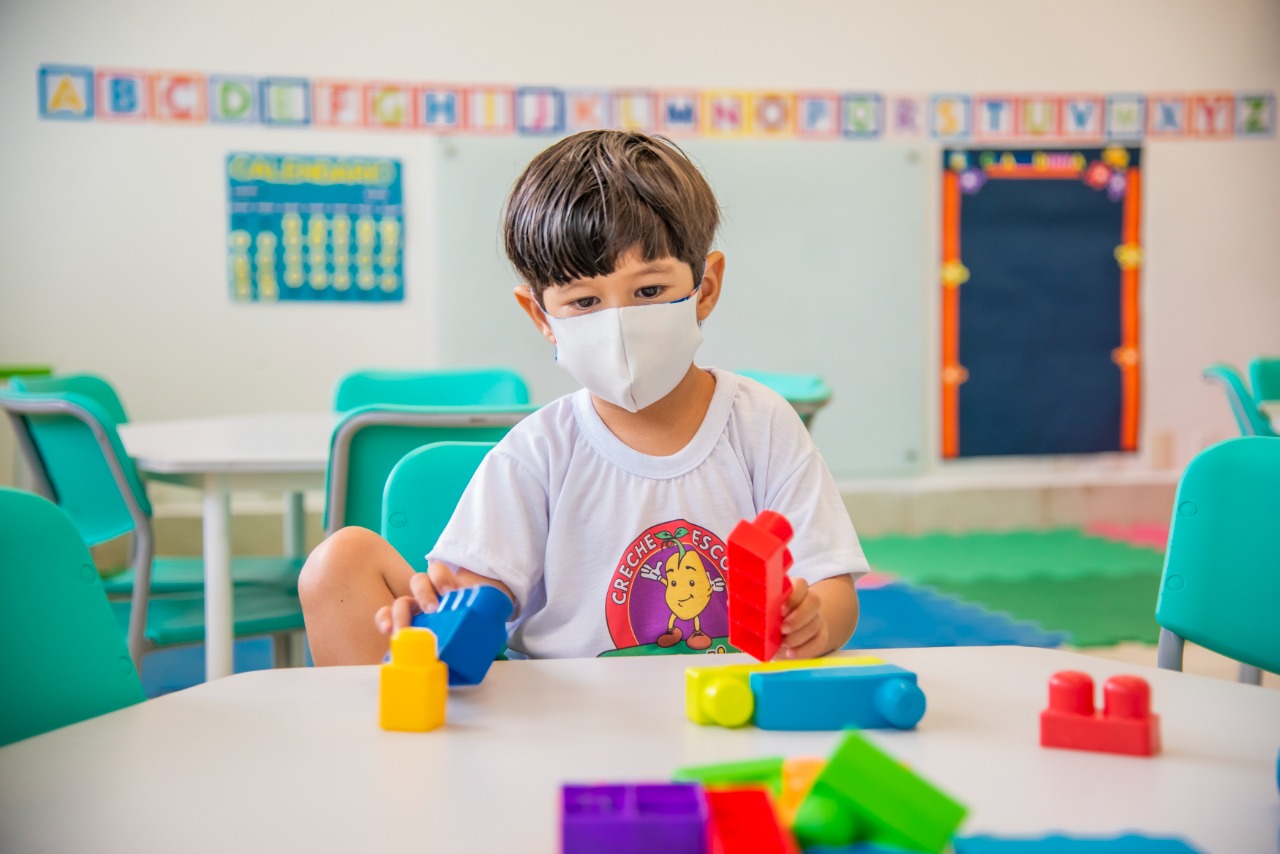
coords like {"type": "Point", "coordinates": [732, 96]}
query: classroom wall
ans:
{"type": "Point", "coordinates": [113, 258]}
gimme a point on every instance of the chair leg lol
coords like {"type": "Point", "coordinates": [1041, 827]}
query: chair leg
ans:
{"type": "Point", "coordinates": [287, 649]}
{"type": "Point", "coordinates": [1169, 652]}
{"type": "Point", "coordinates": [1249, 675]}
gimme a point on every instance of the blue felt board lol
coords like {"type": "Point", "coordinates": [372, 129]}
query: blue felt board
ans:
{"type": "Point", "coordinates": [1040, 315]}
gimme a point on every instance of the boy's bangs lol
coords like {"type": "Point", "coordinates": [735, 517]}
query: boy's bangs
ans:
{"type": "Point", "coordinates": [593, 198]}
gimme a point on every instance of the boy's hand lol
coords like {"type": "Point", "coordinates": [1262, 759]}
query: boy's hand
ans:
{"type": "Point", "coordinates": [426, 588]}
{"type": "Point", "coordinates": [804, 631]}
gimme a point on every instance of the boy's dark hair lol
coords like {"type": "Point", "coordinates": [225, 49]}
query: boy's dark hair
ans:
{"type": "Point", "coordinates": [592, 197]}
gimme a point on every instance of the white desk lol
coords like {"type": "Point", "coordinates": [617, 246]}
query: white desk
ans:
{"type": "Point", "coordinates": [293, 760]}
{"type": "Point", "coordinates": [222, 455]}
{"type": "Point", "coordinates": [1271, 409]}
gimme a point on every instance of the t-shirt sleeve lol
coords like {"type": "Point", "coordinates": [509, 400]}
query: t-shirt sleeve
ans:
{"type": "Point", "coordinates": [499, 528]}
{"type": "Point", "coordinates": [824, 543]}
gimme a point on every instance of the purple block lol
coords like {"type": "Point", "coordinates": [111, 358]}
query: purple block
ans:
{"type": "Point", "coordinates": [670, 818]}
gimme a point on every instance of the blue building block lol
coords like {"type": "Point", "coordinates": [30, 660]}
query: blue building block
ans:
{"type": "Point", "coordinates": [470, 625]}
{"type": "Point", "coordinates": [1127, 844]}
{"type": "Point", "coordinates": [877, 696]}
{"type": "Point", "coordinates": [670, 818]}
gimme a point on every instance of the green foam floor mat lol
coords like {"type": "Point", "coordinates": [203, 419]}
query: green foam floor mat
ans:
{"type": "Point", "coordinates": [1008, 556]}
{"type": "Point", "coordinates": [1098, 611]}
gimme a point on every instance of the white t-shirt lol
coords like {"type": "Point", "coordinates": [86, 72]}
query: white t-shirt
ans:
{"type": "Point", "coordinates": [590, 534]}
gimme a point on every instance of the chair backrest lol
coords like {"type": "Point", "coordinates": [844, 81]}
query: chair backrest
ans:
{"type": "Point", "coordinates": [461, 387]}
{"type": "Point", "coordinates": [79, 454]}
{"type": "Point", "coordinates": [1221, 582]}
{"type": "Point", "coordinates": [1264, 376]}
{"type": "Point", "coordinates": [91, 386]}
{"type": "Point", "coordinates": [1243, 407]}
{"type": "Point", "coordinates": [369, 441]}
{"type": "Point", "coordinates": [62, 655]}
{"type": "Point", "coordinates": [421, 493]}
{"type": "Point", "coordinates": [807, 393]}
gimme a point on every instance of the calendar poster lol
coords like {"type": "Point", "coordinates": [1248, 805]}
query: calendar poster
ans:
{"type": "Point", "coordinates": [314, 228]}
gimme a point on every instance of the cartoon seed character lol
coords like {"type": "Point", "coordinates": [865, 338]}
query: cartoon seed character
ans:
{"type": "Point", "coordinates": [688, 590]}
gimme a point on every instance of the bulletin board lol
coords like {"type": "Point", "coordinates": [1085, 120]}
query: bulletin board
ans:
{"type": "Point", "coordinates": [1041, 257]}
{"type": "Point", "coordinates": [826, 273]}
{"type": "Point", "coordinates": [314, 228]}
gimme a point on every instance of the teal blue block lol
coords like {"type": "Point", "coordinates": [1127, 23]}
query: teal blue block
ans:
{"type": "Point", "coordinates": [1128, 844]}
{"type": "Point", "coordinates": [878, 696]}
{"type": "Point", "coordinates": [470, 628]}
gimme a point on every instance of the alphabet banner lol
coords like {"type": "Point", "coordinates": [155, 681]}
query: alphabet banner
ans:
{"type": "Point", "coordinates": [314, 228]}
{"type": "Point", "coordinates": [80, 93]}
{"type": "Point", "coordinates": [1041, 255]}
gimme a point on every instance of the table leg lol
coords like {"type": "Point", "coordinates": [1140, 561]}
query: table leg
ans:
{"type": "Point", "coordinates": [295, 525]}
{"type": "Point", "coordinates": [219, 637]}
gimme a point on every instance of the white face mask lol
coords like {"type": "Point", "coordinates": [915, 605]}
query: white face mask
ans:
{"type": "Point", "coordinates": [632, 356]}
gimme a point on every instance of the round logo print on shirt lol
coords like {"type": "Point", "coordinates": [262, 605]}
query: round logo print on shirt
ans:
{"type": "Point", "coordinates": [667, 593]}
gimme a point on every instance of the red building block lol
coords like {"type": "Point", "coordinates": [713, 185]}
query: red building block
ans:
{"type": "Point", "coordinates": [742, 821]}
{"type": "Point", "coordinates": [758, 583]}
{"type": "Point", "coordinates": [1126, 724]}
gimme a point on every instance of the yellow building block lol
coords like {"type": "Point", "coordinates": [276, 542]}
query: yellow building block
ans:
{"type": "Point", "coordinates": [798, 775]}
{"type": "Point", "coordinates": [414, 685]}
{"type": "Point", "coordinates": [722, 695]}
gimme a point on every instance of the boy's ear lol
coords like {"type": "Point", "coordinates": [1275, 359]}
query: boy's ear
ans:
{"type": "Point", "coordinates": [528, 302]}
{"type": "Point", "coordinates": [712, 280]}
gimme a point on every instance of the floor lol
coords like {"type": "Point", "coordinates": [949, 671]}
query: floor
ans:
{"type": "Point", "coordinates": [1195, 660]}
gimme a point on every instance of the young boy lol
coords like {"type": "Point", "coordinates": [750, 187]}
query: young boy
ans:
{"type": "Point", "coordinates": [604, 514]}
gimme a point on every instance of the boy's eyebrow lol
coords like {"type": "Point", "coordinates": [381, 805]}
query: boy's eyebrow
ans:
{"type": "Point", "coordinates": [655, 267]}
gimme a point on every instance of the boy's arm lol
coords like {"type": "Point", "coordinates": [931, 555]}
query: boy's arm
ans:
{"type": "Point", "coordinates": [819, 619]}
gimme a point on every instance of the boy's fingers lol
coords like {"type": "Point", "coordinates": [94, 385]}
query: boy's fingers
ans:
{"type": "Point", "coordinates": [425, 590]}
{"type": "Point", "coordinates": [812, 648]}
{"type": "Point", "coordinates": [801, 635]}
{"type": "Point", "coordinates": [801, 616]}
{"type": "Point", "coordinates": [799, 587]}
{"type": "Point", "coordinates": [382, 619]}
{"type": "Point", "coordinates": [443, 578]}
{"type": "Point", "coordinates": [403, 611]}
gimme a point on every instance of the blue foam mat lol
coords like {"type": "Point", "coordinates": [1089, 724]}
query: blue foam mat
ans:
{"type": "Point", "coordinates": [904, 615]}
{"type": "Point", "coordinates": [168, 670]}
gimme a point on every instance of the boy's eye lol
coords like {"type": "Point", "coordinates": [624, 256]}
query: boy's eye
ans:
{"type": "Point", "coordinates": [584, 303]}
{"type": "Point", "coordinates": [690, 582]}
{"type": "Point", "coordinates": [649, 291]}
{"type": "Point", "coordinates": [673, 582]}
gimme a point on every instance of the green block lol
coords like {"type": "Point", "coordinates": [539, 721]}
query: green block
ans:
{"type": "Point", "coordinates": [864, 793]}
{"type": "Point", "coordinates": [749, 772]}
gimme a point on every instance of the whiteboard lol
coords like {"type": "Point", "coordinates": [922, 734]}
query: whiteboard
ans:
{"type": "Point", "coordinates": [824, 243]}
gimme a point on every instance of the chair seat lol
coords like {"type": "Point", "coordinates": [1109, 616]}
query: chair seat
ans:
{"type": "Point", "coordinates": [186, 574]}
{"type": "Point", "coordinates": [179, 619]}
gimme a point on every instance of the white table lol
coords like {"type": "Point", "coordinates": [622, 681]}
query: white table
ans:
{"type": "Point", "coordinates": [293, 760]}
{"type": "Point", "coordinates": [221, 455]}
{"type": "Point", "coordinates": [1271, 409]}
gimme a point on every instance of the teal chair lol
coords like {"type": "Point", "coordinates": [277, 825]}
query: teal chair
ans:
{"type": "Point", "coordinates": [807, 393]}
{"type": "Point", "coordinates": [370, 440]}
{"type": "Point", "coordinates": [62, 450]}
{"type": "Point", "coordinates": [91, 386]}
{"type": "Point", "coordinates": [1221, 583]}
{"type": "Point", "coordinates": [421, 493]}
{"type": "Point", "coordinates": [460, 387]}
{"type": "Point", "coordinates": [62, 657]}
{"type": "Point", "coordinates": [98, 487]}
{"type": "Point", "coordinates": [1264, 376]}
{"type": "Point", "coordinates": [1244, 408]}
